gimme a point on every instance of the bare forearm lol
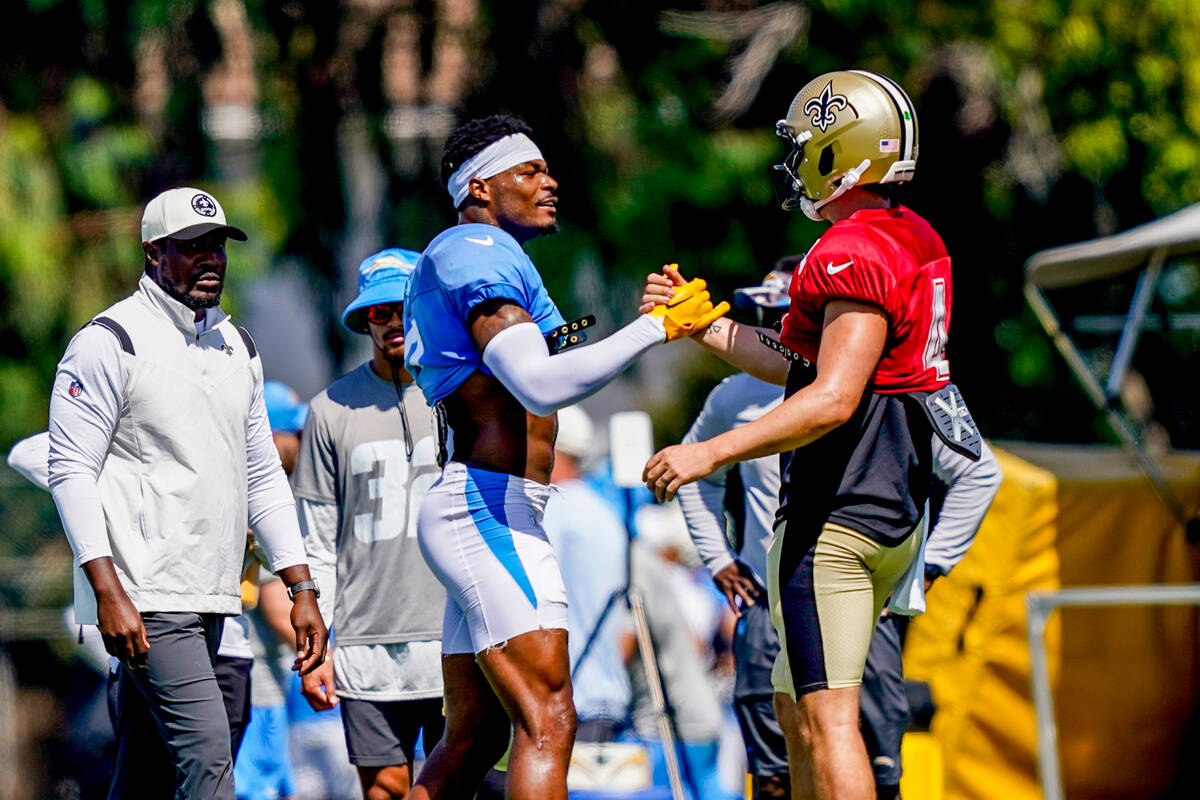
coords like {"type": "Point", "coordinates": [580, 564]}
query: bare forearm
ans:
{"type": "Point", "coordinates": [102, 575]}
{"type": "Point", "coordinates": [803, 418]}
{"type": "Point", "coordinates": [120, 624]}
{"type": "Point", "coordinates": [851, 343]}
{"type": "Point", "coordinates": [739, 345]}
{"type": "Point", "coordinates": [311, 632]}
{"type": "Point", "coordinates": [294, 574]}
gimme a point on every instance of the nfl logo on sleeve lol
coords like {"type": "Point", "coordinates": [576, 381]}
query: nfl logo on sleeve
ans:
{"type": "Point", "coordinates": [75, 389]}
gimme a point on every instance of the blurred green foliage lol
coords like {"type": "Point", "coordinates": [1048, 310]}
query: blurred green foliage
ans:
{"type": "Point", "coordinates": [1042, 122]}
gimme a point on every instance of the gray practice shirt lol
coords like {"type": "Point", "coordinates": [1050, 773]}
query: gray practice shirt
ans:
{"type": "Point", "coordinates": [736, 401]}
{"type": "Point", "coordinates": [353, 456]}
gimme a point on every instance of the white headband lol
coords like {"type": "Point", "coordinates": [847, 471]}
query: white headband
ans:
{"type": "Point", "coordinates": [502, 154]}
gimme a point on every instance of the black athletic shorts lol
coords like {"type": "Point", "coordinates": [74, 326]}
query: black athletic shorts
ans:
{"type": "Point", "coordinates": [233, 676]}
{"type": "Point", "coordinates": [384, 734]}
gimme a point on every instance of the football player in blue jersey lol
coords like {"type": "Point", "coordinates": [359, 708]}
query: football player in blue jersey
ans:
{"type": "Point", "coordinates": [476, 327]}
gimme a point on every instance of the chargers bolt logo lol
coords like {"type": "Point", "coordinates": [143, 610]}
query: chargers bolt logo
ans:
{"type": "Point", "coordinates": [204, 205]}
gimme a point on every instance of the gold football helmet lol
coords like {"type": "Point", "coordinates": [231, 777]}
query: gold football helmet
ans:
{"type": "Point", "coordinates": [846, 128]}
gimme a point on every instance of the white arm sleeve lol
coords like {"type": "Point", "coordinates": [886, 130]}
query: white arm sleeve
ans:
{"type": "Point", "coordinates": [703, 502]}
{"type": "Point", "coordinates": [81, 427]}
{"type": "Point", "coordinates": [972, 486]}
{"type": "Point", "coordinates": [279, 534]}
{"type": "Point", "coordinates": [544, 383]}
{"type": "Point", "coordinates": [267, 486]}
{"type": "Point", "coordinates": [271, 507]}
{"type": "Point", "coordinates": [31, 458]}
{"type": "Point", "coordinates": [319, 526]}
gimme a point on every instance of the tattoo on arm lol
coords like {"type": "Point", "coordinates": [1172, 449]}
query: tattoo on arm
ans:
{"type": "Point", "coordinates": [492, 316]}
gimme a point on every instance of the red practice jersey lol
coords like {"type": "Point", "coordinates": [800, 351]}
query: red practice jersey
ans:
{"type": "Point", "coordinates": [893, 259]}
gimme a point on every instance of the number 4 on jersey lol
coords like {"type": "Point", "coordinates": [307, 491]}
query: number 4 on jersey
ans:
{"type": "Point", "coordinates": [935, 344]}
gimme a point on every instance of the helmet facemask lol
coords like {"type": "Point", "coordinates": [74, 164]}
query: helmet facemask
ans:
{"type": "Point", "coordinates": [789, 186]}
{"type": "Point", "coordinates": [789, 189]}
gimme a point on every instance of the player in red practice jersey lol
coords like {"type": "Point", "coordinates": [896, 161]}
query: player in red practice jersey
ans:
{"type": "Point", "coordinates": [870, 308]}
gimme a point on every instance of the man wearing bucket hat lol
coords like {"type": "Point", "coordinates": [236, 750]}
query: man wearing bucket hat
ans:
{"type": "Point", "coordinates": [160, 455]}
{"type": "Point", "coordinates": [366, 458]}
{"type": "Point", "coordinates": [747, 494]}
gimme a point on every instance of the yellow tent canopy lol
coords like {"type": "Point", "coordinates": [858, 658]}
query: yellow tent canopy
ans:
{"type": "Point", "coordinates": [1125, 679]}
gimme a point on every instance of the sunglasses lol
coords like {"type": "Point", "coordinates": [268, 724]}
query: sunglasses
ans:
{"type": "Point", "coordinates": [383, 312]}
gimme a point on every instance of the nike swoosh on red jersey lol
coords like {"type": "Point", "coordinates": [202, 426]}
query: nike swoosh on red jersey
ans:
{"type": "Point", "coordinates": [832, 270]}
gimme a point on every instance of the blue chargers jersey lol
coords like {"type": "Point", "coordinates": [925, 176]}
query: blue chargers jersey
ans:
{"type": "Point", "coordinates": [461, 268]}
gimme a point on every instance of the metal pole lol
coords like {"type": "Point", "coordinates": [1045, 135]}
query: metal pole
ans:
{"type": "Point", "coordinates": [658, 697]}
{"type": "Point", "coordinates": [1120, 425]}
{"type": "Point", "coordinates": [1043, 701]}
{"type": "Point", "coordinates": [659, 700]}
{"type": "Point", "coordinates": [1045, 314]}
{"type": "Point", "coordinates": [1039, 606]}
{"type": "Point", "coordinates": [1142, 296]}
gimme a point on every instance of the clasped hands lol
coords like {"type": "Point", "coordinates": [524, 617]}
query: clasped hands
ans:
{"type": "Point", "coordinates": [686, 310]}
{"type": "Point", "coordinates": [684, 307]}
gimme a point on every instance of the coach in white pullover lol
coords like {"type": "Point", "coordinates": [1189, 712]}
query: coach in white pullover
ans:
{"type": "Point", "coordinates": [160, 454]}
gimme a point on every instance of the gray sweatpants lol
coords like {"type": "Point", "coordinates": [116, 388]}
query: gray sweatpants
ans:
{"type": "Point", "coordinates": [185, 706]}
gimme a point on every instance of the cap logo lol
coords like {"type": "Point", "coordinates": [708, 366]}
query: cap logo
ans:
{"type": "Point", "coordinates": [824, 107]}
{"type": "Point", "coordinates": [384, 262]}
{"type": "Point", "coordinates": [204, 205]}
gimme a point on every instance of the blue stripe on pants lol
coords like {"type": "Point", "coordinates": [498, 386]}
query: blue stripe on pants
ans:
{"type": "Point", "coordinates": [486, 493]}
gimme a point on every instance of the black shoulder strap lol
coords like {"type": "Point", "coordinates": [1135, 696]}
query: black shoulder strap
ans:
{"type": "Point", "coordinates": [117, 330]}
{"type": "Point", "coordinates": [248, 340]}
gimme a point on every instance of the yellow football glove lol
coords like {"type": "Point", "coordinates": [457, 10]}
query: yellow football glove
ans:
{"type": "Point", "coordinates": [689, 310]}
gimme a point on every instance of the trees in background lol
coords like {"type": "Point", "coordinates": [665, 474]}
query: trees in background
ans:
{"type": "Point", "coordinates": [319, 124]}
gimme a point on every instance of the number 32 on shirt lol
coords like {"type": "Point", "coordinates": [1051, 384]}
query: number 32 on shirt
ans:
{"type": "Point", "coordinates": [388, 499]}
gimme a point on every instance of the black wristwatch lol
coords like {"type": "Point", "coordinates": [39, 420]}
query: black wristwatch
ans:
{"type": "Point", "coordinates": [304, 586]}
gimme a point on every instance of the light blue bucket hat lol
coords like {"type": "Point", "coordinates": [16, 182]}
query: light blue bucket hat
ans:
{"type": "Point", "coordinates": [382, 278]}
{"type": "Point", "coordinates": [286, 412]}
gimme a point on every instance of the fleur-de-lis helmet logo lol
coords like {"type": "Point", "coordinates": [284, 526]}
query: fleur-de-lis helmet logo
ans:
{"type": "Point", "coordinates": [824, 107]}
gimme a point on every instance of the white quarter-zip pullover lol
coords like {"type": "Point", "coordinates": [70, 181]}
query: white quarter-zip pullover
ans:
{"type": "Point", "coordinates": [160, 458]}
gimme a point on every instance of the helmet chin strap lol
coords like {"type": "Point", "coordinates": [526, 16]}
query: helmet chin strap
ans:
{"type": "Point", "coordinates": [812, 209]}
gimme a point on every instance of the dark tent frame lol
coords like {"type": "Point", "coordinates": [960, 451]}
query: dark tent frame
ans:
{"type": "Point", "coordinates": [1145, 248]}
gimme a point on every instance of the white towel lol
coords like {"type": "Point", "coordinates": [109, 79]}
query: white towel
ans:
{"type": "Point", "coordinates": [908, 598]}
